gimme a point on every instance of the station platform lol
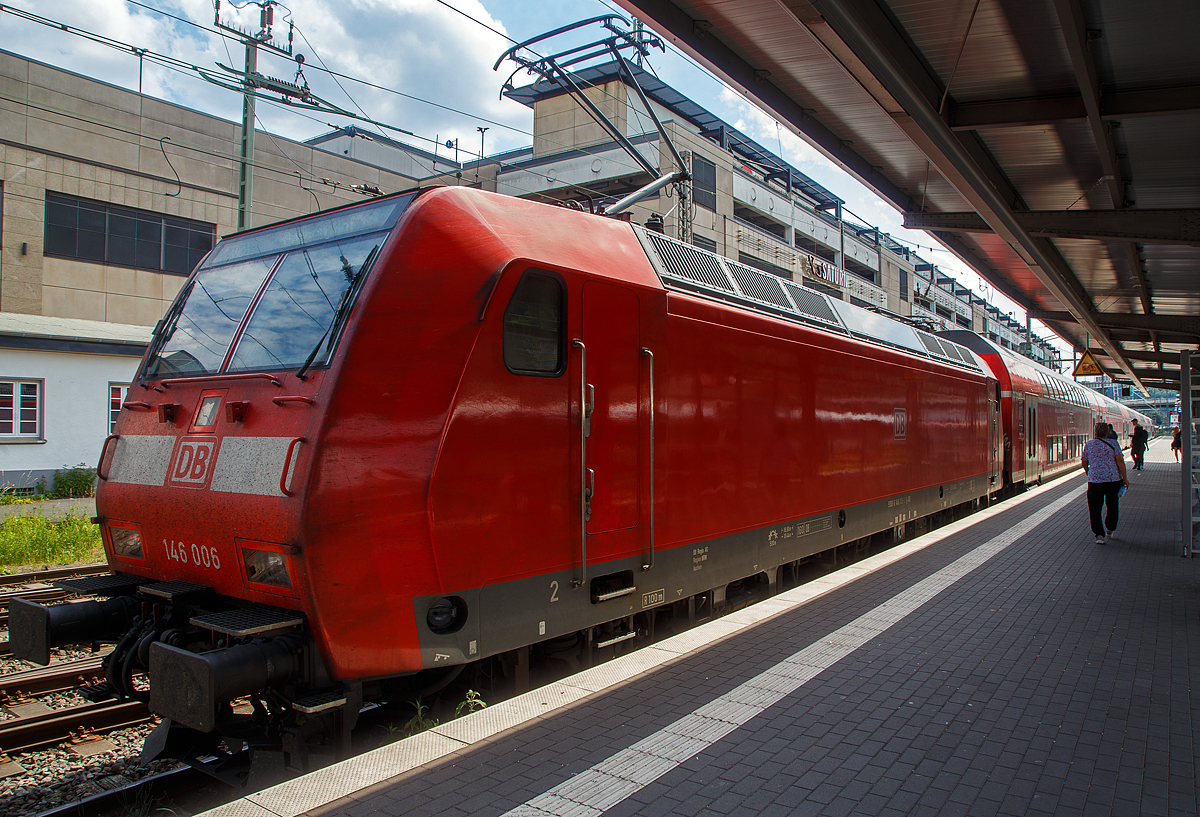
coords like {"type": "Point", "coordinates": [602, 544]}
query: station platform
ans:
{"type": "Point", "coordinates": [1003, 664]}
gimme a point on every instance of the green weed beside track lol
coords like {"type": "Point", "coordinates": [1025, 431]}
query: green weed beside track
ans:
{"type": "Point", "coordinates": [31, 539]}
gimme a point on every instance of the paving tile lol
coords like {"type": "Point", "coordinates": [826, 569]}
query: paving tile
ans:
{"type": "Point", "coordinates": [1011, 690]}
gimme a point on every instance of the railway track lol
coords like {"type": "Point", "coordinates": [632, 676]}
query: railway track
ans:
{"type": "Point", "coordinates": [145, 790]}
{"type": "Point", "coordinates": [73, 723]}
{"type": "Point", "coordinates": [52, 574]}
{"type": "Point", "coordinates": [21, 734]}
{"type": "Point", "coordinates": [13, 586]}
{"type": "Point", "coordinates": [52, 678]}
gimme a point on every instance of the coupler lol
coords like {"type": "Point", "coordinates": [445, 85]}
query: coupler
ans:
{"type": "Point", "coordinates": [187, 687]}
{"type": "Point", "coordinates": [33, 629]}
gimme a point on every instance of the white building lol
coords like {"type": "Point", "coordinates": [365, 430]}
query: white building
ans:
{"type": "Point", "coordinates": [62, 381]}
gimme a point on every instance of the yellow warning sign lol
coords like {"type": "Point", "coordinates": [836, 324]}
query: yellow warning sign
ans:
{"type": "Point", "coordinates": [1087, 366]}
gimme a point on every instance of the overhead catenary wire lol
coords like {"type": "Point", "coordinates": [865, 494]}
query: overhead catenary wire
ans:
{"type": "Point", "coordinates": [258, 165]}
{"type": "Point", "coordinates": [189, 69]}
{"type": "Point", "coordinates": [369, 84]}
{"type": "Point", "coordinates": [334, 74]}
{"type": "Point", "coordinates": [175, 143]}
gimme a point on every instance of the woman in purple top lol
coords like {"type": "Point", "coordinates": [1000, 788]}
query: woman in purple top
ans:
{"type": "Point", "coordinates": [1105, 470]}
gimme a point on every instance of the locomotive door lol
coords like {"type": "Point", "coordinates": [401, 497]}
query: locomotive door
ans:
{"type": "Point", "coordinates": [611, 333]}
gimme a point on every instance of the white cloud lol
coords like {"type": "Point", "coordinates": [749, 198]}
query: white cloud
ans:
{"type": "Point", "coordinates": [757, 124]}
{"type": "Point", "coordinates": [418, 47]}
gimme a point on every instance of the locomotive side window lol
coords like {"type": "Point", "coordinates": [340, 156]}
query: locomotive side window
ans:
{"type": "Point", "coordinates": [534, 326]}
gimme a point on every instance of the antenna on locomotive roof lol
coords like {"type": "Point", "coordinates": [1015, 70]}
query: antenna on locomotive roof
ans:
{"type": "Point", "coordinates": [554, 69]}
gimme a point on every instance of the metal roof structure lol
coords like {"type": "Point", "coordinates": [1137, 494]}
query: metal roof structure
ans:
{"type": "Point", "coordinates": [708, 123]}
{"type": "Point", "coordinates": [1050, 144]}
{"type": "Point", "coordinates": [18, 325]}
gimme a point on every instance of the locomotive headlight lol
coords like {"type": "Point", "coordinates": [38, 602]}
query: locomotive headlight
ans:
{"type": "Point", "coordinates": [126, 542]}
{"type": "Point", "coordinates": [265, 567]}
{"type": "Point", "coordinates": [446, 615]}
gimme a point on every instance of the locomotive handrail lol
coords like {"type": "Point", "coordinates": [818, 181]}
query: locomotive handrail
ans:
{"type": "Point", "coordinates": [140, 405]}
{"type": "Point", "coordinates": [583, 489]}
{"type": "Point", "coordinates": [650, 355]}
{"type": "Point", "coordinates": [287, 463]}
{"type": "Point", "coordinates": [201, 378]}
{"type": "Point", "coordinates": [292, 398]}
{"type": "Point", "coordinates": [103, 452]}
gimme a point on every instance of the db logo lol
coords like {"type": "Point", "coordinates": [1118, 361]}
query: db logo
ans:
{"type": "Point", "coordinates": [900, 424]}
{"type": "Point", "coordinates": [193, 463]}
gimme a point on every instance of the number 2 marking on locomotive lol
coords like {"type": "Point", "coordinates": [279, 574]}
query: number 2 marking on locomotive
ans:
{"type": "Point", "coordinates": [553, 592]}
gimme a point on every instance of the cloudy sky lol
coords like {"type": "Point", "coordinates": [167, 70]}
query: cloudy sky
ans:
{"type": "Point", "coordinates": [435, 58]}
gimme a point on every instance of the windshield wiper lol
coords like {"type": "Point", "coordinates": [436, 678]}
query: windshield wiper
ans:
{"type": "Point", "coordinates": [166, 328]}
{"type": "Point", "coordinates": [343, 311]}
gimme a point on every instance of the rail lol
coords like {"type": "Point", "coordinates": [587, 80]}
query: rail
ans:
{"type": "Point", "coordinates": [56, 726]}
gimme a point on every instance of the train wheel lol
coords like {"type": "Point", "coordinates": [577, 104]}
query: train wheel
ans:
{"type": "Point", "coordinates": [898, 532]}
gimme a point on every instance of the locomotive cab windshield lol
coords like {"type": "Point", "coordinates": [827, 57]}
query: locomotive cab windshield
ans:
{"type": "Point", "coordinates": [275, 298]}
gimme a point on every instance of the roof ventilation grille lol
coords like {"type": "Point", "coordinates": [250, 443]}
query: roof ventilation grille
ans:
{"type": "Point", "coordinates": [684, 262]}
{"type": "Point", "coordinates": [759, 285]}
{"type": "Point", "coordinates": [811, 303]}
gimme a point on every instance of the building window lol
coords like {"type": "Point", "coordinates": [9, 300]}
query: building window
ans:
{"type": "Point", "coordinates": [765, 266]}
{"type": "Point", "coordinates": [704, 243]}
{"type": "Point", "coordinates": [704, 182]}
{"type": "Point", "coordinates": [123, 237]}
{"type": "Point", "coordinates": [903, 284]}
{"type": "Point", "coordinates": [116, 396]}
{"type": "Point", "coordinates": [20, 408]}
{"type": "Point", "coordinates": [961, 321]}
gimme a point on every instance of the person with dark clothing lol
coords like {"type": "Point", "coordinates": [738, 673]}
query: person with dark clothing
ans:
{"type": "Point", "coordinates": [1177, 443]}
{"type": "Point", "coordinates": [1138, 441]}
{"type": "Point", "coordinates": [1105, 469]}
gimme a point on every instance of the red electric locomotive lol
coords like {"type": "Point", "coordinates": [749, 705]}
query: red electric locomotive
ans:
{"type": "Point", "coordinates": [372, 445]}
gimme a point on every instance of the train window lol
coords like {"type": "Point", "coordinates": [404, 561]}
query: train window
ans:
{"type": "Point", "coordinates": [195, 335]}
{"type": "Point", "coordinates": [535, 326]}
{"type": "Point", "coordinates": [302, 307]}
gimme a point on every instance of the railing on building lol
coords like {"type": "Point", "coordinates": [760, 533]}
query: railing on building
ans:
{"type": "Point", "coordinates": [867, 253]}
{"type": "Point", "coordinates": [764, 245]}
{"type": "Point", "coordinates": [866, 291]}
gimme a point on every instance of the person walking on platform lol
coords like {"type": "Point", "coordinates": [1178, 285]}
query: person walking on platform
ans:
{"type": "Point", "coordinates": [1177, 443]}
{"type": "Point", "coordinates": [1138, 441]}
{"type": "Point", "coordinates": [1105, 469]}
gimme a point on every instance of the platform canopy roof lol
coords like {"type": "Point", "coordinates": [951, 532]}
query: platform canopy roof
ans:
{"type": "Point", "coordinates": [1051, 144]}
